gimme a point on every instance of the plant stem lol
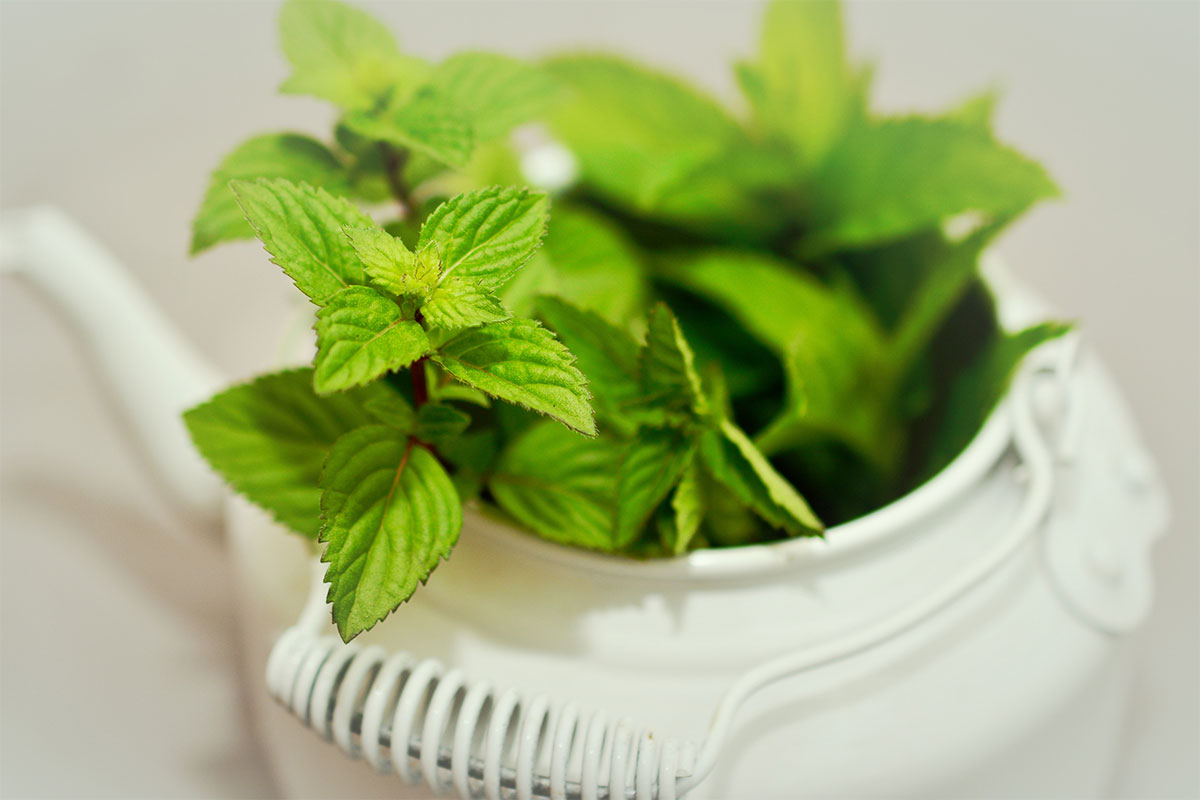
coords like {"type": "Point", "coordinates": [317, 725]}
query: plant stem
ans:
{"type": "Point", "coordinates": [420, 383]}
{"type": "Point", "coordinates": [393, 167]}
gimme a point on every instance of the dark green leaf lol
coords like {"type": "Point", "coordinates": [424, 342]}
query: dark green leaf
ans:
{"type": "Point", "coordinates": [652, 464]}
{"type": "Point", "coordinates": [560, 485]}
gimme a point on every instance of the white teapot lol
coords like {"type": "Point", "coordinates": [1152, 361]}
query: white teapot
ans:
{"type": "Point", "coordinates": [967, 640]}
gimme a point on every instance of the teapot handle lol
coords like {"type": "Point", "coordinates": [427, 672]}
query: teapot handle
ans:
{"type": "Point", "coordinates": [148, 370]}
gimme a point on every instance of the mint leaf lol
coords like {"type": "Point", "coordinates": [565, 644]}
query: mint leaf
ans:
{"type": "Point", "coordinates": [268, 439]}
{"type": "Point", "coordinates": [936, 293]}
{"type": "Point", "coordinates": [594, 265]}
{"type": "Point", "coordinates": [687, 507]}
{"type": "Point", "coordinates": [341, 54]}
{"type": "Point", "coordinates": [391, 408]}
{"type": "Point", "coordinates": [521, 362]}
{"type": "Point", "coordinates": [887, 179]}
{"type": "Point", "coordinates": [461, 303]}
{"type": "Point", "coordinates": [635, 131]}
{"type": "Point", "coordinates": [667, 365]}
{"type": "Point", "coordinates": [360, 336]}
{"type": "Point", "coordinates": [390, 265]}
{"type": "Point", "coordinates": [603, 352]}
{"type": "Point", "coordinates": [802, 88]}
{"type": "Point", "coordinates": [391, 514]}
{"type": "Point", "coordinates": [496, 92]}
{"type": "Point", "coordinates": [653, 462]}
{"type": "Point", "coordinates": [733, 460]}
{"type": "Point", "coordinates": [301, 227]}
{"type": "Point", "coordinates": [975, 391]}
{"type": "Point", "coordinates": [437, 423]}
{"type": "Point", "coordinates": [274, 155]}
{"type": "Point", "coordinates": [559, 484]}
{"type": "Point", "coordinates": [837, 364]}
{"type": "Point", "coordinates": [487, 234]}
{"type": "Point", "coordinates": [424, 122]}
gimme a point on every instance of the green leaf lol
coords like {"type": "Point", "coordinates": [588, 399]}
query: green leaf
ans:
{"type": "Point", "coordinates": [885, 180]}
{"type": "Point", "coordinates": [273, 155]}
{"type": "Point", "coordinates": [804, 90]}
{"type": "Point", "coordinates": [733, 460]}
{"type": "Point", "coordinates": [559, 484]}
{"type": "Point", "coordinates": [425, 122]}
{"type": "Point", "coordinates": [268, 439]}
{"type": "Point", "coordinates": [521, 362]}
{"type": "Point", "coordinates": [937, 292]}
{"type": "Point", "coordinates": [603, 352]}
{"type": "Point", "coordinates": [594, 265]}
{"type": "Point", "coordinates": [975, 391]}
{"type": "Point", "coordinates": [977, 110]}
{"type": "Point", "coordinates": [653, 462]}
{"type": "Point", "coordinates": [496, 92]}
{"type": "Point", "coordinates": [342, 54]}
{"type": "Point", "coordinates": [840, 378]}
{"type": "Point", "coordinates": [391, 514]}
{"type": "Point", "coordinates": [360, 336]}
{"type": "Point", "coordinates": [301, 227]}
{"type": "Point", "coordinates": [390, 265]}
{"type": "Point", "coordinates": [688, 508]}
{"type": "Point", "coordinates": [635, 132]}
{"type": "Point", "coordinates": [460, 303]}
{"type": "Point", "coordinates": [437, 423]}
{"type": "Point", "coordinates": [487, 234]}
{"type": "Point", "coordinates": [667, 365]}
{"type": "Point", "coordinates": [391, 408]}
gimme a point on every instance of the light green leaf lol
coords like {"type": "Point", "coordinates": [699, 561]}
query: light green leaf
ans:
{"type": "Point", "coordinates": [487, 234]}
{"type": "Point", "coordinates": [360, 336]}
{"type": "Point", "coordinates": [390, 265]}
{"type": "Point", "coordinates": [636, 132]}
{"type": "Point", "coordinates": [733, 460]}
{"type": "Point", "coordinates": [559, 484]}
{"type": "Point", "coordinates": [805, 92]}
{"type": "Point", "coordinates": [301, 227]}
{"type": "Point", "coordinates": [652, 464]}
{"type": "Point", "coordinates": [667, 366]}
{"type": "Point", "coordinates": [521, 362]}
{"type": "Point", "coordinates": [342, 54]}
{"type": "Point", "coordinates": [977, 110]}
{"type": "Point", "coordinates": [496, 92]}
{"type": "Point", "coordinates": [273, 155]}
{"type": "Point", "coordinates": [604, 353]}
{"type": "Point", "coordinates": [391, 514]}
{"type": "Point", "coordinates": [391, 408]}
{"type": "Point", "coordinates": [425, 122]}
{"type": "Point", "coordinates": [437, 422]}
{"type": "Point", "coordinates": [459, 302]}
{"type": "Point", "coordinates": [885, 180]}
{"type": "Point", "coordinates": [595, 266]}
{"type": "Point", "coordinates": [688, 507]}
{"type": "Point", "coordinates": [975, 391]}
{"type": "Point", "coordinates": [268, 439]}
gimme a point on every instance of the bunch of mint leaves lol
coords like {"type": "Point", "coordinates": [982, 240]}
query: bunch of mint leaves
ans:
{"type": "Point", "coordinates": [765, 323]}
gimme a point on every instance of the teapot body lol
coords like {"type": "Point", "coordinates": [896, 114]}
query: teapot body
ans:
{"type": "Point", "coordinates": [1015, 689]}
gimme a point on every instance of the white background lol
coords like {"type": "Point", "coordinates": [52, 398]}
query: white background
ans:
{"type": "Point", "coordinates": [117, 657]}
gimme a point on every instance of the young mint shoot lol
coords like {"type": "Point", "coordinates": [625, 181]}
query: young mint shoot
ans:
{"type": "Point", "coordinates": [740, 328]}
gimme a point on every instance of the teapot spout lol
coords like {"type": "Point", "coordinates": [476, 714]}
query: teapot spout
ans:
{"type": "Point", "coordinates": [149, 371]}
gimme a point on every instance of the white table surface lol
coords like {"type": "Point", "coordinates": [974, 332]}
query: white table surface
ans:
{"type": "Point", "coordinates": [116, 669]}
